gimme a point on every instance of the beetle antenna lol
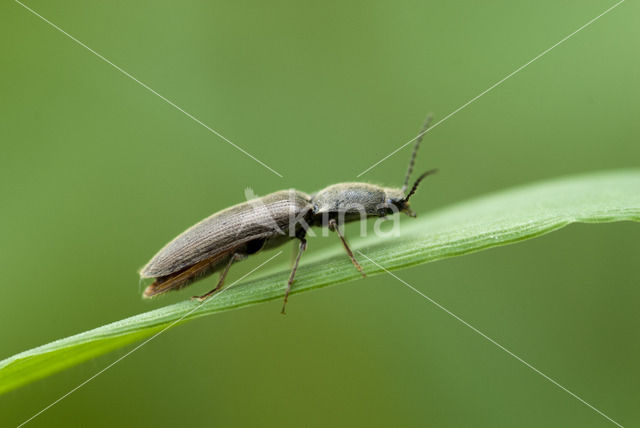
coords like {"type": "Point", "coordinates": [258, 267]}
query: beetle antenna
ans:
{"type": "Point", "coordinates": [415, 185]}
{"type": "Point", "coordinates": [412, 161]}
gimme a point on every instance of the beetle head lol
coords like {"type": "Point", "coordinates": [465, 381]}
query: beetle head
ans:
{"type": "Point", "coordinates": [397, 197]}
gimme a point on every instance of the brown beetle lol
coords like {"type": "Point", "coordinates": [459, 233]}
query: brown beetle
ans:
{"type": "Point", "coordinates": [225, 237]}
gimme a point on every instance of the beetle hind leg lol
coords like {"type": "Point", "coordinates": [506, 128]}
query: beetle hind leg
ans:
{"type": "Point", "coordinates": [223, 275]}
{"type": "Point", "coordinates": [303, 246]}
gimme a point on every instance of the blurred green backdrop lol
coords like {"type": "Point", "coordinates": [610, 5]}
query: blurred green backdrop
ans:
{"type": "Point", "coordinates": [97, 173]}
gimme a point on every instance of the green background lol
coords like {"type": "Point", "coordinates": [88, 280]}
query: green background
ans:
{"type": "Point", "coordinates": [97, 173]}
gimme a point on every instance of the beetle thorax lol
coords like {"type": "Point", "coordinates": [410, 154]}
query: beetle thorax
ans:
{"type": "Point", "coordinates": [353, 201]}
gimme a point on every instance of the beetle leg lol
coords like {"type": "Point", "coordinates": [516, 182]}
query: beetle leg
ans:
{"type": "Point", "coordinates": [293, 255]}
{"type": "Point", "coordinates": [223, 275]}
{"type": "Point", "coordinates": [333, 225]}
{"type": "Point", "coordinates": [303, 246]}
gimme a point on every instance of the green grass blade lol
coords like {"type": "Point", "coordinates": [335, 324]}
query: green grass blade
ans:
{"type": "Point", "coordinates": [486, 222]}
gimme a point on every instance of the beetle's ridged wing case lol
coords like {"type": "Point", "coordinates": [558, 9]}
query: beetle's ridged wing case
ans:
{"type": "Point", "coordinates": [182, 278]}
{"type": "Point", "coordinates": [259, 218]}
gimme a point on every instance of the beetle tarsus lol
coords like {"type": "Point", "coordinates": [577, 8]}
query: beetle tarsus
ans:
{"type": "Point", "coordinates": [223, 275]}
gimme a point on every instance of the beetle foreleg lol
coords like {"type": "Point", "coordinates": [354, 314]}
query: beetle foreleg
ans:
{"type": "Point", "coordinates": [223, 275]}
{"type": "Point", "coordinates": [303, 246]}
{"type": "Point", "coordinates": [333, 225]}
